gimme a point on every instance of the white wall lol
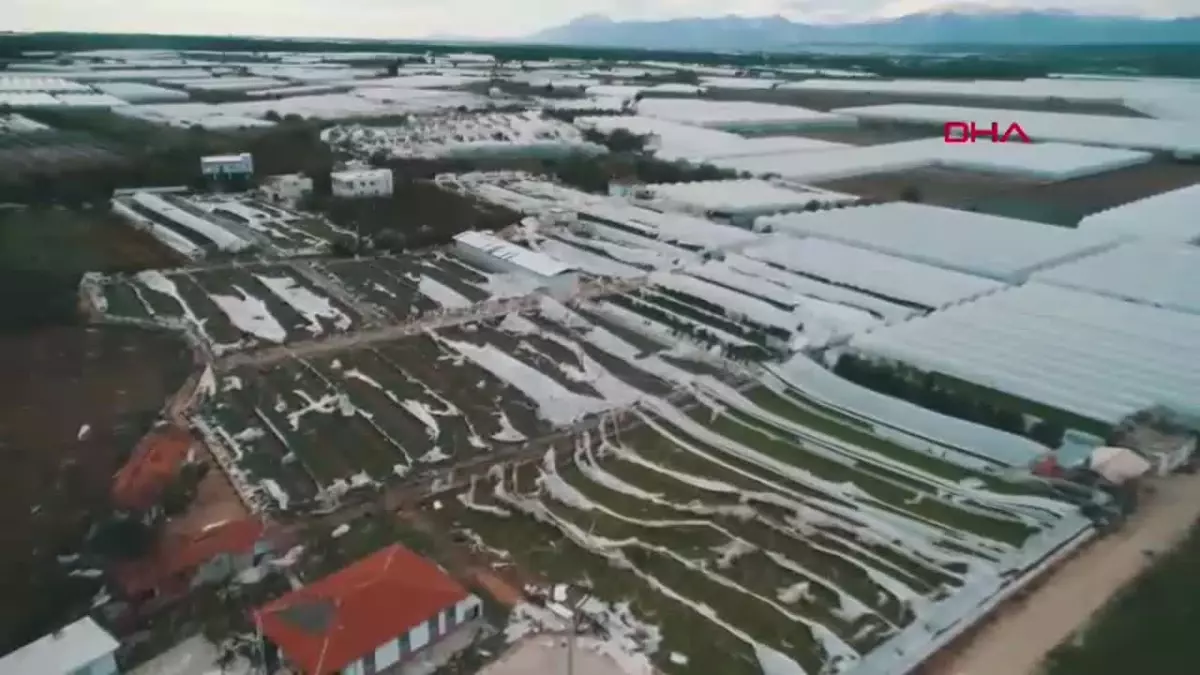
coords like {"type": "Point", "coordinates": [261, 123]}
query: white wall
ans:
{"type": "Point", "coordinates": [419, 637]}
{"type": "Point", "coordinates": [387, 654]}
{"type": "Point", "coordinates": [464, 606]}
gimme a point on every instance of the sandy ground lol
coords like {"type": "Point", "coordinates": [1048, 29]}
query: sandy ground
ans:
{"type": "Point", "coordinates": [1020, 636]}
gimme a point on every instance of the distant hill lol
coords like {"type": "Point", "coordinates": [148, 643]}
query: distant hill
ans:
{"type": "Point", "coordinates": [944, 27]}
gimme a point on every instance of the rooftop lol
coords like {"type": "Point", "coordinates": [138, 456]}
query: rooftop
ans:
{"type": "Point", "coordinates": [1168, 216]}
{"type": "Point", "coordinates": [154, 463]}
{"type": "Point", "coordinates": [62, 652]}
{"type": "Point", "coordinates": [533, 261]}
{"type": "Point", "coordinates": [327, 625]}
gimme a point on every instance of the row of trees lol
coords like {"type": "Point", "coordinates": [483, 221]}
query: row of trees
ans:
{"type": "Point", "coordinates": [929, 391]}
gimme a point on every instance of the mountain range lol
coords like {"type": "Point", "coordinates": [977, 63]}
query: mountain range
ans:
{"type": "Point", "coordinates": [737, 33]}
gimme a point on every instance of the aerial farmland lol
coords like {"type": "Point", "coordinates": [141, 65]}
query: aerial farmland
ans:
{"type": "Point", "coordinates": [671, 350]}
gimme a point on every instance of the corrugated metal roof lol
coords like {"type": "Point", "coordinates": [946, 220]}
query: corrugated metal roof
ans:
{"type": "Point", "coordinates": [533, 261]}
{"type": "Point", "coordinates": [749, 194]}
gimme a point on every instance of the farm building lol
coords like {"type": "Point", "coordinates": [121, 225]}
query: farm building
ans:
{"type": "Point", "coordinates": [238, 165]}
{"type": "Point", "coordinates": [1006, 249]}
{"type": "Point", "coordinates": [493, 253]}
{"type": "Point", "coordinates": [82, 648]}
{"type": "Point", "coordinates": [362, 183]}
{"type": "Point", "coordinates": [383, 610]}
{"type": "Point", "coordinates": [1095, 357]}
{"type": "Point", "coordinates": [738, 201]}
{"type": "Point", "coordinates": [1168, 216]}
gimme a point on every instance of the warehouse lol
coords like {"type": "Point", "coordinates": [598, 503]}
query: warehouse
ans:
{"type": "Point", "coordinates": [1157, 274]}
{"type": "Point", "coordinates": [1100, 358]}
{"type": "Point", "coordinates": [1172, 137]}
{"type": "Point", "coordinates": [493, 253]}
{"type": "Point", "coordinates": [1170, 216]}
{"type": "Point", "coordinates": [1005, 249]}
{"type": "Point", "coordinates": [738, 201]}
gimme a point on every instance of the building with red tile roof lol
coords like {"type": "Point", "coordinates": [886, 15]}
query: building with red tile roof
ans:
{"type": "Point", "coordinates": [370, 617]}
{"type": "Point", "coordinates": [155, 462]}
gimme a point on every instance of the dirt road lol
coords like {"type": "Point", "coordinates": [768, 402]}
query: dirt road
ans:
{"type": "Point", "coordinates": [1020, 636]}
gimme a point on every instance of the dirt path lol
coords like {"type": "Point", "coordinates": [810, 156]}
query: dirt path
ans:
{"type": "Point", "coordinates": [1018, 638]}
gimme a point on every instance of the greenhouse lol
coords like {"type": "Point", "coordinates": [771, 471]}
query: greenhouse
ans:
{"type": "Point", "coordinates": [1096, 357]}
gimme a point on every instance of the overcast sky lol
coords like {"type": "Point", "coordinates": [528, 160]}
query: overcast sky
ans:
{"type": "Point", "coordinates": [482, 18]}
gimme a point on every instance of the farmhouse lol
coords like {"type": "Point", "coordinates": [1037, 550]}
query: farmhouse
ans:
{"type": "Point", "coordinates": [227, 166]}
{"type": "Point", "coordinates": [494, 253]}
{"type": "Point", "coordinates": [362, 183]}
{"type": "Point", "coordinates": [371, 617]}
{"type": "Point", "coordinates": [82, 648]}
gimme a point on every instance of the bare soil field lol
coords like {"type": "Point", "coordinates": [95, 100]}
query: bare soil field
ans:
{"type": "Point", "coordinates": [75, 403]}
{"type": "Point", "coordinates": [828, 100]}
{"type": "Point", "coordinates": [50, 152]}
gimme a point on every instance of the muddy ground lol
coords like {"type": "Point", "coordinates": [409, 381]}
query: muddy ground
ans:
{"type": "Point", "coordinates": [75, 402]}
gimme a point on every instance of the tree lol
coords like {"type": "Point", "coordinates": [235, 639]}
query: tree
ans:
{"type": "Point", "coordinates": [911, 194]}
{"type": "Point", "coordinates": [272, 116]}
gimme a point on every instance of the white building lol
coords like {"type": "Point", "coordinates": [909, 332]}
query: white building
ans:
{"type": "Point", "coordinates": [491, 252]}
{"type": "Point", "coordinates": [227, 165]}
{"type": "Point", "coordinates": [363, 183]}
{"type": "Point", "coordinates": [82, 648]}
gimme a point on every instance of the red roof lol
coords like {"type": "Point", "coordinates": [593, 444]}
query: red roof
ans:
{"type": "Point", "coordinates": [174, 557]}
{"type": "Point", "coordinates": [153, 465]}
{"type": "Point", "coordinates": [327, 625]}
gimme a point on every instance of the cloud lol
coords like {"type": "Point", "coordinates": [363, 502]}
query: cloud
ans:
{"type": "Point", "coordinates": [483, 18]}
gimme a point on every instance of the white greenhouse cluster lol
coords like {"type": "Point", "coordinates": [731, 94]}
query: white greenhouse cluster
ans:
{"type": "Point", "coordinates": [140, 92]}
{"type": "Point", "coordinates": [673, 140]}
{"type": "Point", "coordinates": [1170, 216]}
{"type": "Point", "coordinates": [1169, 136]}
{"type": "Point", "coordinates": [748, 197]}
{"type": "Point", "coordinates": [863, 270]}
{"type": "Point", "coordinates": [1095, 356]}
{"type": "Point", "coordinates": [1150, 273]}
{"type": "Point", "coordinates": [1047, 161]}
{"type": "Point", "coordinates": [1006, 249]}
{"type": "Point", "coordinates": [737, 115]}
